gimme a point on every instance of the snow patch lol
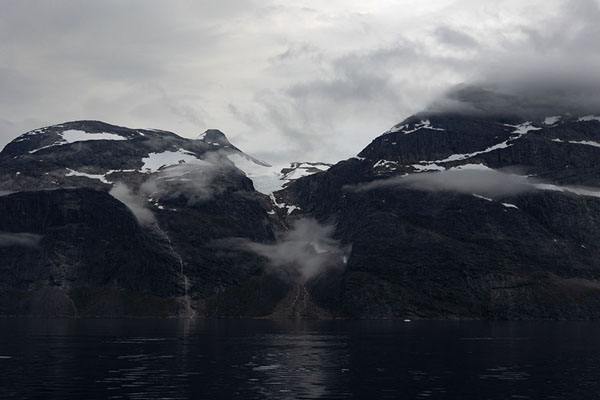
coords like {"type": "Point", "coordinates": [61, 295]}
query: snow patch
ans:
{"type": "Point", "coordinates": [72, 136]}
{"type": "Point", "coordinates": [508, 205]}
{"type": "Point", "coordinates": [406, 128]}
{"type": "Point", "coordinates": [552, 120]}
{"type": "Point", "coordinates": [101, 178]}
{"type": "Point", "coordinates": [520, 130]}
{"type": "Point", "coordinates": [589, 118]}
{"type": "Point", "coordinates": [385, 164]}
{"type": "Point", "coordinates": [477, 167]}
{"type": "Point", "coordinates": [155, 161]}
{"type": "Point", "coordinates": [266, 179]}
{"type": "Point", "coordinates": [482, 197]}
{"type": "Point", "coordinates": [428, 167]}
{"type": "Point", "coordinates": [290, 208]}
{"type": "Point", "coordinates": [584, 142]}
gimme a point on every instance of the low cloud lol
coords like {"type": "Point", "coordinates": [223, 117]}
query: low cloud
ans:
{"type": "Point", "coordinates": [303, 252]}
{"type": "Point", "coordinates": [135, 203]}
{"type": "Point", "coordinates": [196, 183]}
{"type": "Point", "coordinates": [488, 182]}
{"type": "Point", "coordinates": [526, 96]}
{"type": "Point", "coordinates": [23, 239]}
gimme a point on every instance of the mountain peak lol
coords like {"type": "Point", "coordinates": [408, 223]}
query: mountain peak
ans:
{"type": "Point", "coordinates": [214, 136]}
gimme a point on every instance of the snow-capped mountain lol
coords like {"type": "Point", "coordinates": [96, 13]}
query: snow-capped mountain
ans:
{"type": "Point", "coordinates": [461, 216]}
{"type": "Point", "coordinates": [442, 216]}
{"type": "Point", "coordinates": [97, 154]}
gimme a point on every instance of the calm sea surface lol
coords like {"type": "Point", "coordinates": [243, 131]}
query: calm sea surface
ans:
{"type": "Point", "coordinates": [247, 359]}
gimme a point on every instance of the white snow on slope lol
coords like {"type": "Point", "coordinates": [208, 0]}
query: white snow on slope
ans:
{"type": "Point", "coordinates": [266, 179]}
{"type": "Point", "coordinates": [424, 124]}
{"type": "Point", "coordinates": [482, 197]}
{"type": "Point", "coordinates": [156, 161]}
{"type": "Point", "coordinates": [520, 130]}
{"type": "Point", "coordinates": [290, 208]}
{"type": "Point", "coordinates": [471, 167]}
{"type": "Point", "coordinates": [552, 120]}
{"type": "Point", "coordinates": [428, 167]}
{"type": "Point", "coordinates": [101, 178]}
{"type": "Point", "coordinates": [300, 170]}
{"type": "Point", "coordinates": [72, 136]}
{"type": "Point", "coordinates": [589, 118]}
{"type": "Point", "coordinates": [386, 164]}
{"type": "Point", "coordinates": [584, 142]}
{"type": "Point", "coordinates": [297, 173]}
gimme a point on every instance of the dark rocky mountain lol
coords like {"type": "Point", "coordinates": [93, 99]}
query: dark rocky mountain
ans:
{"type": "Point", "coordinates": [443, 216]}
{"type": "Point", "coordinates": [124, 223]}
{"type": "Point", "coordinates": [426, 244]}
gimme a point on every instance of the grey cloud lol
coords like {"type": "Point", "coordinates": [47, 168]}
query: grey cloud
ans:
{"type": "Point", "coordinates": [135, 203]}
{"type": "Point", "coordinates": [312, 85]}
{"type": "Point", "coordinates": [196, 183]}
{"type": "Point", "coordinates": [488, 182]}
{"type": "Point", "coordinates": [528, 96]}
{"type": "Point", "coordinates": [22, 239]}
{"type": "Point", "coordinates": [303, 252]}
{"type": "Point", "coordinates": [554, 69]}
{"type": "Point", "coordinates": [454, 37]}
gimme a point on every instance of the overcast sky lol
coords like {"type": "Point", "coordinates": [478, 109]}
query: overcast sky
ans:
{"type": "Point", "coordinates": [286, 81]}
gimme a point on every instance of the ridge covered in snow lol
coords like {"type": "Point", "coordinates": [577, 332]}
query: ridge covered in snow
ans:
{"type": "Point", "coordinates": [72, 136]}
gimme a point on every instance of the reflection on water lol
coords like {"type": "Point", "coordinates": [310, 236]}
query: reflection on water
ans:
{"type": "Point", "coordinates": [247, 359]}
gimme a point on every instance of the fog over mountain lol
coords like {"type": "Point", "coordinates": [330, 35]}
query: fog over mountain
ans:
{"type": "Point", "coordinates": [314, 81]}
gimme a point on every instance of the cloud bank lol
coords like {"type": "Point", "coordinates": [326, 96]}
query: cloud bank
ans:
{"type": "Point", "coordinates": [134, 202]}
{"type": "Point", "coordinates": [22, 239]}
{"type": "Point", "coordinates": [487, 182]}
{"type": "Point", "coordinates": [195, 183]}
{"type": "Point", "coordinates": [305, 251]}
{"type": "Point", "coordinates": [311, 81]}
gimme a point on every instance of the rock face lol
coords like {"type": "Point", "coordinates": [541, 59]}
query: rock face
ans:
{"type": "Point", "coordinates": [446, 216]}
{"type": "Point", "coordinates": [105, 220]}
{"type": "Point", "coordinates": [84, 245]}
{"type": "Point", "coordinates": [426, 252]}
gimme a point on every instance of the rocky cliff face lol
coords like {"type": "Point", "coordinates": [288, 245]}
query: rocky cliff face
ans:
{"type": "Point", "coordinates": [118, 221]}
{"type": "Point", "coordinates": [443, 216]}
{"type": "Point", "coordinates": [426, 243]}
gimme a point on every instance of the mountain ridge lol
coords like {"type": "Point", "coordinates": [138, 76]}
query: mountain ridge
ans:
{"type": "Point", "coordinates": [443, 216]}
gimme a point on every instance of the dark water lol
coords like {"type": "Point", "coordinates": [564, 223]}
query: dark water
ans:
{"type": "Point", "coordinates": [233, 359]}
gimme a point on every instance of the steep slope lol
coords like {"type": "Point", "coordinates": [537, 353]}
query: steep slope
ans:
{"type": "Point", "coordinates": [185, 194]}
{"type": "Point", "coordinates": [81, 252]}
{"type": "Point", "coordinates": [429, 240]}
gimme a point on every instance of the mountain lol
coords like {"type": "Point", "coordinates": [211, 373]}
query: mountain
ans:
{"type": "Point", "coordinates": [452, 216]}
{"type": "Point", "coordinates": [442, 216]}
{"type": "Point", "coordinates": [107, 220]}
